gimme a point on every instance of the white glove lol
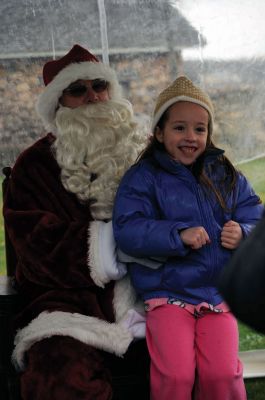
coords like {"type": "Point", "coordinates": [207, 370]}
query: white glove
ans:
{"type": "Point", "coordinates": [135, 323]}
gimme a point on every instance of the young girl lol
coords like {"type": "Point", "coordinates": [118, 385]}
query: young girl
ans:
{"type": "Point", "coordinates": [185, 204]}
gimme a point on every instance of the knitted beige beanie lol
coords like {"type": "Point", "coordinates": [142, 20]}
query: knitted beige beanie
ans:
{"type": "Point", "coordinates": [182, 89]}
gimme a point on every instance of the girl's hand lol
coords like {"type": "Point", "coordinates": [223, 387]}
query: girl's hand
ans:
{"type": "Point", "coordinates": [195, 237]}
{"type": "Point", "coordinates": [231, 235]}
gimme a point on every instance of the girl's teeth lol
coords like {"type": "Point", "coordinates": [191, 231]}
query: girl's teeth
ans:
{"type": "Point", "coordinates": [188, 149]}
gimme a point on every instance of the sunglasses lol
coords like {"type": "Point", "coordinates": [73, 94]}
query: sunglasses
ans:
{"type": "Point", "coordinates": [80, 89]}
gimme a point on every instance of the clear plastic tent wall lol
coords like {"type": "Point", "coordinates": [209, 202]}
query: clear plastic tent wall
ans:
{"type": "Point", "coordinates": [217, 43]}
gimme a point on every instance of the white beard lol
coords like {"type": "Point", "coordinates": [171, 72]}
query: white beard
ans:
{"type": "Point", "coordinates": [98, 141]}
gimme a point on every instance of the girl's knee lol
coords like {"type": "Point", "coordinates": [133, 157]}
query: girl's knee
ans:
{"type": "Point", "coordinates": [220, 377]}
{"type": "Point", "coordinates": [171, 386]}
{"type": "Point", "coordinates": [220, 385]}
{"type": "Point", "coordinates": [177, 379]}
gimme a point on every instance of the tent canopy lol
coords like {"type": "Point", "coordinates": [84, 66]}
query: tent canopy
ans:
{"type": "Point", "coordinates": [39, 27]}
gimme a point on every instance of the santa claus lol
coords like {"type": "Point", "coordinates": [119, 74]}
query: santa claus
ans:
{"type": "Point", "coordinates": [80, 316]}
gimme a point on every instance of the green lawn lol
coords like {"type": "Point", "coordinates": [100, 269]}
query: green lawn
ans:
{"type": "Point", "coordinates": [254, 171]}
{"type": "Point", "coordinates": [249, 339]}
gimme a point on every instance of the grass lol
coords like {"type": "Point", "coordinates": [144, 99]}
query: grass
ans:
{"type": "Point", "coordinates": [254, 171]}
{"type": "Point", "coordinates": [255, 388]}
{"type": "Point", "coordinates": [249, 339]}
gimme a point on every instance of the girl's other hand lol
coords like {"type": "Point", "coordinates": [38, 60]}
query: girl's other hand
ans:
{"type": "Point", "coordinates": [195, 237]}
{"type": "Point", "coordinates": [231, 235]}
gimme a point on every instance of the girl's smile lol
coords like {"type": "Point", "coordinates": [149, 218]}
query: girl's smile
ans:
{"type": "Point", "coordinates": [185, 132]}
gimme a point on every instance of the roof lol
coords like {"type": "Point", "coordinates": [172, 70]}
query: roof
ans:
{"type": "Point", "coordinates": [45, 27]}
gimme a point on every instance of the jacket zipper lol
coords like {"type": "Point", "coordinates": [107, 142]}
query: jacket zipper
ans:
{"type": "Point", "coordinates": [211, 249]}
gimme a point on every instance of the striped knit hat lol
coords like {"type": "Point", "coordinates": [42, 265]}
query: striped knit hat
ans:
{"type": "Point", "coordinates": [182, 89]}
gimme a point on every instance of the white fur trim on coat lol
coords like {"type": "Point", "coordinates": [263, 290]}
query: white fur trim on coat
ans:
{"type": "Point", "coordinates": [89, 330]}
{"type": "Point", "coordinates": [102, 255]}
{"type": "Point", "coordinates": [48, 100]}
{"type": "Point", "coordinates": [112, 337]}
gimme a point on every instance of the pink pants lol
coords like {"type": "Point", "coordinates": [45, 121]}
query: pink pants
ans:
{"type": "Point", "coordinates": [190, 355]}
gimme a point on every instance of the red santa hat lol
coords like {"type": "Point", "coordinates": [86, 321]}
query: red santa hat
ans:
{"type": "Point", "coordinates": [78, 63]}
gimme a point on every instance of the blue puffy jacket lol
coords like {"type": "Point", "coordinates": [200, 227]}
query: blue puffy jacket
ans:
{"type": "Point", "coordinates": [157, 198]}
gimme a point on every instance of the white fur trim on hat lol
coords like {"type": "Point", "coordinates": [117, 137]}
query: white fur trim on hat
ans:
{"type": "Point", "coordinates": [48, 100]}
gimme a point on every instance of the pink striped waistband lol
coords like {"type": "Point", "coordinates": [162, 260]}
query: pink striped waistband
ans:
{"type": "Point", "coordinates": [197, 310]}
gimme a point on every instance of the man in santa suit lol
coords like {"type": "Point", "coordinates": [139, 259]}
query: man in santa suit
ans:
{"type": "Point", "coordinates": [81, 319]}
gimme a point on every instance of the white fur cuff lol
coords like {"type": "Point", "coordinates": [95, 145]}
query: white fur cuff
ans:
{"type": "Point", "coordinates": [100, 334]}
{"type": "Point", "coordinates": [102, 255]}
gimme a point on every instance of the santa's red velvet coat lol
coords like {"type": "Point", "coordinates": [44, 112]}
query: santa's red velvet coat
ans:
{"type": "Point", "coordinates": [49, 228]}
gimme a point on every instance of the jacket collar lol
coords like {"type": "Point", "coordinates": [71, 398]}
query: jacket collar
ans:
{"type": "Point", "coordinates": [208, 157]}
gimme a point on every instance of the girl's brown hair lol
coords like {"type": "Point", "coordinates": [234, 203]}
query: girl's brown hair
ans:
{"type": "Point", "coordinates": [224, 187]}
